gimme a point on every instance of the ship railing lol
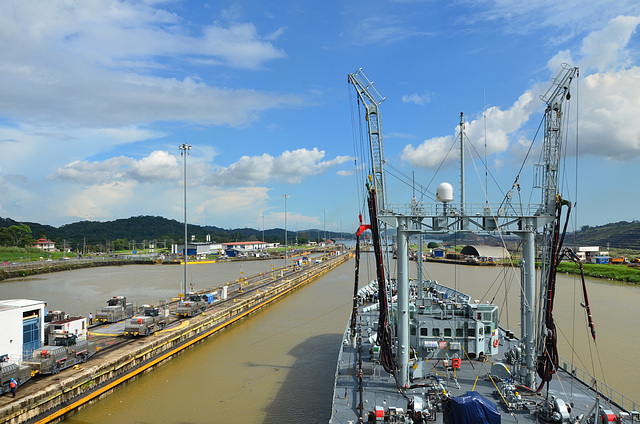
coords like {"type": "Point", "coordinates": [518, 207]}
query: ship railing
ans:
{"type": "Point", "coordinates": [611, 395]}
{"type": "Point", "coordinates": [470, 210]}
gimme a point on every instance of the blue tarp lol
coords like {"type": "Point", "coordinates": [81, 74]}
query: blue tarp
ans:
{"type": "Point", "coordinates": [471, 408]}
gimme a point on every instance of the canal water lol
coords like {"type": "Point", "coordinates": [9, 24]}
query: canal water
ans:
{"type": "Point", "coordinates": [277, 366]}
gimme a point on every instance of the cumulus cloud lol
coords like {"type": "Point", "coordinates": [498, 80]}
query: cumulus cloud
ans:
{"type": "Point", "coordinates": [419, 99]}
{"type": "Point", "coordinates": [609, 100]}
{"type": "Point", "coordinates": [605, 49]}
{"type": "Point", "coordinates": [158, 166]}
{"type": "Point", "coordinates": [99, 57]}
{"type": "Point", "coordinates": [609, 125]}
{"type": "Point", "coordinates": [609, 91]}
{"type": "Point", "coordinates": [290, 167]}
{"type": "Point", "coordinates": [97, 202]}
{"type": "Point", "coordinates": [501, 126]}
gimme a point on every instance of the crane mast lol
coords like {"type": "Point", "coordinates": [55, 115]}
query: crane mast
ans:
{"type": "Point", "coordinates": [371, 98]}
{"type": "Point", "coordinates": [556, 93]}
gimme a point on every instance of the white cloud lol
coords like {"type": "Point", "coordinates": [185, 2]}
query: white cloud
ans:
{"type": "Point", "coordinates": [609, 98]}
{"type": "Point", "coordinates": [568, 18]}
{"type": "Point", "coordinates": [383, 30]}
{"type": "Point", "coordinates": [98, 202]}
{"type": "Point", "coordinates": [290, 166]}
{"type": "Point", "coordinates": [419, 99]}
{"type": "Point", "coordinates": [605, 49]}
{"type": "Point", "coordinates": [158, 166]}
{"type": "Point", "coordinates": [609, 124]}
{"type": "Point", "coordinates": [501, 126]}
{"type": "Point", "coordinates": [609, 101]}
{"type": "Point", "coordinates": [92, 60]}
{"type": "Point", "coordinates": [246, 204]}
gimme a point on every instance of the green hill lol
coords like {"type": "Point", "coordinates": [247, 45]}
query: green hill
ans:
{"type": "Point", "coordinates": [619, 235]}
{"type": "Point", "coordinates": [140, 228]}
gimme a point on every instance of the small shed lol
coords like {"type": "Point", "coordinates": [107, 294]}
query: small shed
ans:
{"type": "Point", "coordinates": [439, 253]}
{"type": "Point", "coordinates": [600, 260]}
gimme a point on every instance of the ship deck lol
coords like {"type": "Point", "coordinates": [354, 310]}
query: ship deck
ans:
{"type": "Point", "coordinates": [379, 387]}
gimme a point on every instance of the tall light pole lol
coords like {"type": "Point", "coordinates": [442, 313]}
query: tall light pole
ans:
{"type": "Point", "coordinates": [184, 152]}
{"type": "Point", "coordinates": [324, 224]}
{"type": "Point", "coordinates": [286, 247]}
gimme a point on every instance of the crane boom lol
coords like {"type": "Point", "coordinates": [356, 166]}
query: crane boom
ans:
{"type": "Point", "coordinates": [371, 98]}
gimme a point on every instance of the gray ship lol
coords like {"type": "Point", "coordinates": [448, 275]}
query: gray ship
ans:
{"type": "Point", "coordinates": [417, 351]}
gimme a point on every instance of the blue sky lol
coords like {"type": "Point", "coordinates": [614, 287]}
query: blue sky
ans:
{"type": "Point", "coordinates": [96, 96]}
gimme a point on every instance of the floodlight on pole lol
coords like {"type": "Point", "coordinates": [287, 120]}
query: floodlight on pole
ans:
{"type": "Point", "coordinates": [286, 247]}
{"type": "Point", "coordinates": [324, 224]}
{"type": "Point", "coordinates": [184, 152]}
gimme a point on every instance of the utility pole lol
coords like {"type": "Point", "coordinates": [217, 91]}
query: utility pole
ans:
{"type": "Point", "coordinates": [184, 152]}
{"type": "Point", "coordinates": [285, 231]}
{"type": "Point", "coordinates": [324, 224]}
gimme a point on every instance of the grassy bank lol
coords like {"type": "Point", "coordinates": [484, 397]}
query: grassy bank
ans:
{"type": "Point", "coordinates": [622, 273]}
{"type": "Point", "coordinates": [26, 270]}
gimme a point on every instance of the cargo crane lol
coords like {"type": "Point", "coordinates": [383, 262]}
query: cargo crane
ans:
{"type": "Point", "coordinates": [371, 99]}
{"type": "Point", "coordinates": [151, 320]}
{"type": "Point", "coordinates": [65, 352]}
{"type": "Point", "coordinates": [116, 310]}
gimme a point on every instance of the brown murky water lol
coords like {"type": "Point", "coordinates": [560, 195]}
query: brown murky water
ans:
{"type": "Point", "coordinates": [278, 365]}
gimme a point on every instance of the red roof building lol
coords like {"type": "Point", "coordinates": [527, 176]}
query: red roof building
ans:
{"type": "Point", "coordinates": [46, 245]}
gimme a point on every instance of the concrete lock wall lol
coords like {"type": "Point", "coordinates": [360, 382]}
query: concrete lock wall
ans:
{"type": "Point", "coordinates": [101, 376]}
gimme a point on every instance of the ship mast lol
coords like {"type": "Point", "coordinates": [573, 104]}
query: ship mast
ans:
{"type": "Point", "coordinates": [524, 221]}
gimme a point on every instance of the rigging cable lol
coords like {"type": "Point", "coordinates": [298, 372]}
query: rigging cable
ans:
{"type": "Point", "coordinates": [547, 363]}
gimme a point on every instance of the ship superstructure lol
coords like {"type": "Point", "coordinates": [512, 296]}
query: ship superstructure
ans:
{"type": "Point", "coordinates": [425, 352]}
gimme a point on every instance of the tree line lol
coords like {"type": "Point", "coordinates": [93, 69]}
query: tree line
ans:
{"type": "Point", "coordinates": [137, 233]}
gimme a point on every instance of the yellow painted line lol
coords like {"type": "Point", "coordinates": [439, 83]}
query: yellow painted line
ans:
{"type": "Point", "coordinates": [103, 334]}
{"type": "Point", "coordinates": [170, 353]}
{"type": "Point", "coordinates": [168, 330]}
{"type": "Point", "coordinates": [199, 262]}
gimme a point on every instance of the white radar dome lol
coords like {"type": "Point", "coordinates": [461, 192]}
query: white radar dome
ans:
{"type": "Point", "coordinates": [444, 192]}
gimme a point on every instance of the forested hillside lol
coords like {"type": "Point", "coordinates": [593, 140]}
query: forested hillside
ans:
{"type": "Point", "coordinates": [140, 228]}
{"type": "Point", "coordinates": [619, 235]}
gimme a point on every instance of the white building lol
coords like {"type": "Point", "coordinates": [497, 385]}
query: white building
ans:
{"type": "Point", "coordinates": [22, 328]}
{"type": "Point", "coordinates": [245, 245]}
{"type": "Point", "coordinates": [586, 253]}
{"type": "Point", "coordinates": [46, 245]}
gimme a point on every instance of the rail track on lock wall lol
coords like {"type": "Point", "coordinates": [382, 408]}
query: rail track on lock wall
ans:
{"type": "Point", "coordinates": [244, 296]}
